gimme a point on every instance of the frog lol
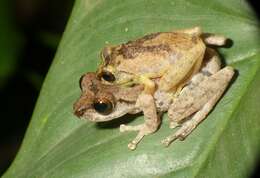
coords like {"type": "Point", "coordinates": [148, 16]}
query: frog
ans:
{"type": "Point", "coordinates": [100, 102]}
{"type": "Point", "coordinates": [171, 56]}
{"type": "Point", "coordinates": [179, 73]}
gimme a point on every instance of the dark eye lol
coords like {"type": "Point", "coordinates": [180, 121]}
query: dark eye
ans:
{"type": "Point", "coordinates": [103, 106]}
{"type": "Point", "coordinates": [80, 81]}
{"type": "Point", "coordinates": [108, 76]}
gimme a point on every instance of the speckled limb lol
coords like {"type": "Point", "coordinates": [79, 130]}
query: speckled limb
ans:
{"type": "Point", "coordinates": [200, 99]}
{"type": "Point", "coordinates": [152, 121]}
{"type": "Point", "coordinates": [187, 104]}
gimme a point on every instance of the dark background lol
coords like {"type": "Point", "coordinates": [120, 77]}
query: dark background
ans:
{"type": "Point", "coordinates": [39, 25]}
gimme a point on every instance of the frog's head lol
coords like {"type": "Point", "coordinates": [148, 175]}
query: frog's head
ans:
{"type": "Point", "coordinates": [109, 70]}
{"type": "Point", "coordinates": [99, 102]}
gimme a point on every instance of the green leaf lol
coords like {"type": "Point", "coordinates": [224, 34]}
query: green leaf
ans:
{"type": "Point", "coordinates": [57, 144]}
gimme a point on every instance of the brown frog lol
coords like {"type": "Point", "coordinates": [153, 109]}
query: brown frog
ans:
{"type": "Point", "coordinates": [101, 102]}
{"type": "Point", "coordinates": [167, 71]}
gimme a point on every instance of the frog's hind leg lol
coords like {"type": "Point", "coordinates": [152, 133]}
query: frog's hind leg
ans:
{"type": "Point", "coordinates": [208, 38]}
{"type": "Point", "coordinates": [200, 95]}
{"type": "Point", "coordinates": [152, 121]}
{"type": "Point", "coordinates": [199, 100]}
{"type": "Point", "coordinates": [211, 65]}
{"type": "Point", "coordinates": [214, 40]}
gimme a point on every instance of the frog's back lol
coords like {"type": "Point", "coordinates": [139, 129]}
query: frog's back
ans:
{"type": "Point", "coordinates": [156, 52]}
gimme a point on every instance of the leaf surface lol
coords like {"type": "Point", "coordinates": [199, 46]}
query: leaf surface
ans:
{"type": "Point", "coordinates": [57, 144]}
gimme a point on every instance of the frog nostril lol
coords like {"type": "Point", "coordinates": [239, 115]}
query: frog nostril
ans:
{"type": "Point", "coordinates": [80, 111]}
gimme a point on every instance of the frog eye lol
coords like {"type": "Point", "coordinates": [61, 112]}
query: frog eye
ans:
{"type": "Point", "coordinates": [107, 76]}
{"type": "Point", "coordinates": [80, 81]}
{"type": "Point", "coordinates": [103, 106]}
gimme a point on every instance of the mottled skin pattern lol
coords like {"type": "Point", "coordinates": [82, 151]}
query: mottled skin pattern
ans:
{"type": "Point", "coordinates": [156, 55]}
{"type": "Point", "coordinates": [167, 71]}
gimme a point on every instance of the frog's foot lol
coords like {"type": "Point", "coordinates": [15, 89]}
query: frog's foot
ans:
{"type": "Point", "coordinates": [174, 124]}
{"type": "Point", "coordinates": [143, 130]}
{"type": "Point", "coordinates": [208, 38]}
{"type": "Point", "coordinates": [215, 40]}
{"type": "Point", "coordinates": [191, 124]}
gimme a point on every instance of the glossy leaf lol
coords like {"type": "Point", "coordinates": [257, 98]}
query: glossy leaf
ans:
{"type": "Point", "coordinates": [57, 144]}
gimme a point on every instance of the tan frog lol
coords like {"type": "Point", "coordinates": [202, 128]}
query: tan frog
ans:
{"type": "Point", "coordinates": [178, 73]}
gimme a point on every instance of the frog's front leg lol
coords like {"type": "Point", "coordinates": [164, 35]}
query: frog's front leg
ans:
{"type": "Point", "coordinates": [200, 100]}
{"type": "Point", "coordinates": [152, 121]}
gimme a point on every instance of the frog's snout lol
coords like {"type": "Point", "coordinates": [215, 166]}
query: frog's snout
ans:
{"type": "Point", "coordinates": [80, 107]}
{"type": "Point", "coordinates": [79, 111]}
